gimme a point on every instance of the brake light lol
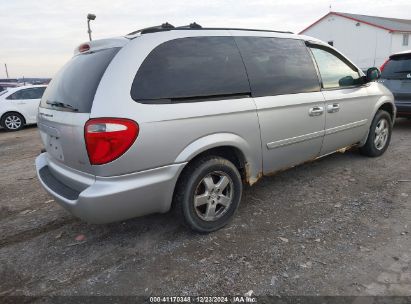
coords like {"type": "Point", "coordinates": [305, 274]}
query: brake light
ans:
{"type": "Point", "coordinates": [383, 65]}
{"type": "Point", "coordinates": [109, 138]}
{"type": "Point", "coordinates": [84, 47]}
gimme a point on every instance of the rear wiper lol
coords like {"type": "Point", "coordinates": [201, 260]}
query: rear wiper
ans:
{"type": "Point", "coordinates": [61, 105]}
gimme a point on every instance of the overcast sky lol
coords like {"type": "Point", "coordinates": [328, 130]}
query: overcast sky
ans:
{"type": "Point", "coordinates": [38, 36]}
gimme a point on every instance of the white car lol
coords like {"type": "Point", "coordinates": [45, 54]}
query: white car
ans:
{"type": "Point", "coordinates": [18, 106]}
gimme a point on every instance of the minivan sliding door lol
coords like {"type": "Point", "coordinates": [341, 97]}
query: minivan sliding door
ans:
{"type": "Point", "coordinates": [286, 90]}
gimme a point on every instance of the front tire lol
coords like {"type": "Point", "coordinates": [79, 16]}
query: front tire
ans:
{"type": "Point", "coordinates": [12, 121]}
{"type": "Point", "coordinates": [379, 136]}
{"type": "Point", "coordinates": [208, 193]}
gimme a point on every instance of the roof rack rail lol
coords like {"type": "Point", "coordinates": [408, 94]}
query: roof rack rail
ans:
{"type": "Point", "coordinates": [245, 29]}
{"type": "Point", "coordinates": [194, 26]}
{"type": "Point", "coordinates": [153, 29]}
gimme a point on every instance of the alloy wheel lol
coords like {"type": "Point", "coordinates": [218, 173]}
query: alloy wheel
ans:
{"type": "Point", "coordinates": [213, 196]}
{"type": "Point", "coordinates": [13, 122]}
{"type": "Point", "coordinates": [381, 134]}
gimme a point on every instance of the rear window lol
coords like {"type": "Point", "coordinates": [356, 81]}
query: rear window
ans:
{"type": "Point", "coordinates": [278, 66]}
{"type": "Point", "coordinates": [191, 68]}
{"type": "Point", "coordinates": [76, 83]}
{"type": "Point", "coordinates": [398, 67]}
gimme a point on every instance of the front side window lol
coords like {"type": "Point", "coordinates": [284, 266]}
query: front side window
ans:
{"type": "Point", "coordinates": [191, 68]}
{"type": "Point", "coordinates": [277, 66]}
{"type": "Point", "coordinates": [335, 71]}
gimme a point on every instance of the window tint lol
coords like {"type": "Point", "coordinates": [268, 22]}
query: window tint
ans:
{"type": "Point", "coordinates": [76, 83]}
{"type": "Point", "coordinates": [335, 72]}
{"type": "Point", "coordinates": [397, 67]}
{"type": "Point", "coordinates": [32, 93]}
{"type": "Point", "coordinates": [278, 66]}
{"type": "Point", "coordinates": [191, 67]}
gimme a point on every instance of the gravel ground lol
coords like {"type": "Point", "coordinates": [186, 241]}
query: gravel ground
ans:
{"type": "Point", "coordinates": [337, 226]}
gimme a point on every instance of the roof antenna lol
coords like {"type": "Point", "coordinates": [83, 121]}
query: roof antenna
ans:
{"type": "Point", "coordinates": [330, 8]}
{"type": "Point", "coordinates": [89, 18]}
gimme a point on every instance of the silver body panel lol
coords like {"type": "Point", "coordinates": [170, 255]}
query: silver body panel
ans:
{"type": "Point", "coordinates": [273, 133]}
{"type": "Point", "coordinates": [289, 134]}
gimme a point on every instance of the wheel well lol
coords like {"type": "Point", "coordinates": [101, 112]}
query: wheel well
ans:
{"type": "Point", "coordinates": [11, 112]}
{"type": "Point", "coordinates": [388, 108]}
{"type": "Point", "coordinates": [231, 153]}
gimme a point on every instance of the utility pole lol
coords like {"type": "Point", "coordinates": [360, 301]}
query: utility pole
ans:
{"type": "Point", "coordinates": [89, 18]}
{"type": "Point", "coordinates": [7, 72]}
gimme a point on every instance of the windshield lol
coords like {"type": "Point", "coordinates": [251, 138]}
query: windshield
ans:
{"type": "Point", "coordinates": [398, 67]}
{"type": "Point", "coordinates": [76, 83]}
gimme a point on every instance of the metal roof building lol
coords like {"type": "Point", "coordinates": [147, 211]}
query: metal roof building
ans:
{"type": "Point", "coordinates": [367, 40]}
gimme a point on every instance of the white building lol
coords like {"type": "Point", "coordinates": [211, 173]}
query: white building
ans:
{"type": "Point", "coordinates": [366, 40]}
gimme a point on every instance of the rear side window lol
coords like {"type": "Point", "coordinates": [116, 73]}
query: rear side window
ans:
{"type": "Point", "coordinates": [76, 83]}
{"type": "Point", "coordinates": [191, 68]}
{"type": "Point", "coordinates": [398, 67]}
{"type": "Point", "coordinates": [32, 93]}
{"type": "Point", "coordinates": [278, 66]}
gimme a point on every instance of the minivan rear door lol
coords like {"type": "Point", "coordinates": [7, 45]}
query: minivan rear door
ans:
{"type": "Point", "coordinates": [66, 105]}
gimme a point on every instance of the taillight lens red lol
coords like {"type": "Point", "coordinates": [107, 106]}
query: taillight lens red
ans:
{"type": "Point", "coordinates": [383, 65]}
{"type": "Point", "coordinates": [109, 138]}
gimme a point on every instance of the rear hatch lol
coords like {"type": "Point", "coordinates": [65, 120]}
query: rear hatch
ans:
{"type": "Point", "coordinates": [396, 76]}
{"type": "Point", "coordinates": [66, 104]}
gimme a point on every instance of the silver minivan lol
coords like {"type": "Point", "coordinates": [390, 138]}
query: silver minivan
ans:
{"type": "Point", "coordinates": [181, 117]}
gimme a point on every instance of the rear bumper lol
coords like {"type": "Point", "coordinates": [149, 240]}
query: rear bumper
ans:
{"type": "Point", "coordinates": [111, 199]}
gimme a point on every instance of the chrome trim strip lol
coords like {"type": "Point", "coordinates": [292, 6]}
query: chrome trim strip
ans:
{"type": "Point", "coordinates": [346, 127]}
{"type": "Point", "coordinates": [309, 136]}
{"type": "Point", "coordinates": [294, 140]}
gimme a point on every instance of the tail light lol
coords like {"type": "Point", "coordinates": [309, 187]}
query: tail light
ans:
{"type": "Point", "coordinates": [109, 138]}
{"type": "Point", "coordinates": [383, 65]}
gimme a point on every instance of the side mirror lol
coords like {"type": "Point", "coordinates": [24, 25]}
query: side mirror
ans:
{"type": "Point", "coordinates": [346, 81]}
{"type": "Point", "coordinates": [373, 74]}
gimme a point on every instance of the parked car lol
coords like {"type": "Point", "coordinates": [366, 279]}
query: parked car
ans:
{"type": "Point", "coordinates": [396, 76]}
{"type": "Point", "coordinates": [179, 118]}
{"type": "Point", "coordinates": [18, 106]}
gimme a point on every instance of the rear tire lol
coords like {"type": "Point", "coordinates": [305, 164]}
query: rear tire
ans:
{"type": "Point", "coordinates": [208, 193]}
{"type": "Point", "coordinates": [379, 136]}
{"type": "Point", "coordinates": [12, 121]}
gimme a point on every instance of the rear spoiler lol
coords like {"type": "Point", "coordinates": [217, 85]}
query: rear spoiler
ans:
{"type": "Point", "coordinates": [404, 55]}
{"type": "Point", "coordinates": [101, 44]}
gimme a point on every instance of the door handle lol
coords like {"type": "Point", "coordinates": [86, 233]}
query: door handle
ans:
{"type": "Point", "coordinates": [316, 111]}
{"type": "Point", "coordinates": [332, 108]}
